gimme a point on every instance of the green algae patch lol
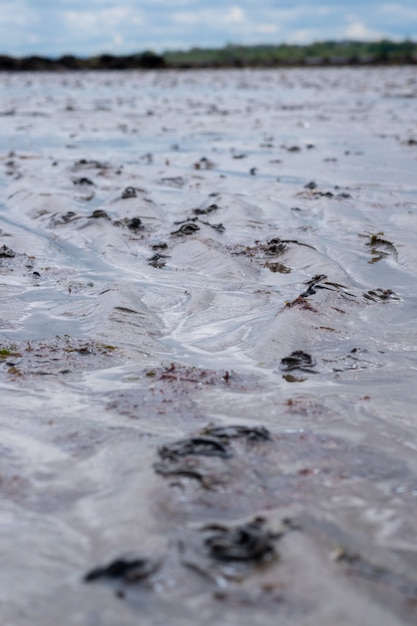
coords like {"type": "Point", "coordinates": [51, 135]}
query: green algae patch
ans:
{"type": "Point", "coordinates": [5, 353]}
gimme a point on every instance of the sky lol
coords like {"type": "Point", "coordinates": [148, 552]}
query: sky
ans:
{"type": "Point", "coordinates": [87, 27]}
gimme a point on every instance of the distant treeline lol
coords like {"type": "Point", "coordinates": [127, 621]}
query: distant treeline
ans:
{"type": "Point", "coordinates": [331, 53]}
{"type": "Point", "coordinates": [320, 53]}
{"type": "Point", "coordinates": [144, 60]}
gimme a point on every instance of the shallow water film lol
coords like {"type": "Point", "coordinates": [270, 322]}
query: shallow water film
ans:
{"type": "Point", "coordinates": [208, 342]}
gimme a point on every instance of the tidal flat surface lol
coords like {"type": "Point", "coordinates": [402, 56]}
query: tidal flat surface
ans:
{"type": "Point", "coordinates": [208, 348]}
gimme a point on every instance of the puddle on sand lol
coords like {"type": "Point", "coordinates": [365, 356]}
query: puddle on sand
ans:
{"type": "Point", "coordinates": [174, 277]}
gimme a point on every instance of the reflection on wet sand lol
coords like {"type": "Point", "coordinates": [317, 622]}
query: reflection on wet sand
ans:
{"type": "Point", "coordinates": [207, 347]}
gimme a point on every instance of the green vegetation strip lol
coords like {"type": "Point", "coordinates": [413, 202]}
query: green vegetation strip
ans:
{"type": "Point", "coordinates": [331, 53]}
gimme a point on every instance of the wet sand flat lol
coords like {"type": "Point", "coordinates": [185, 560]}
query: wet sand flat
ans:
{"type": "Point", "coordinates": [208, 343]}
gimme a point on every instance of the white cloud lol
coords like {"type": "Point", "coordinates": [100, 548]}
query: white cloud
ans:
{"type": "Point", "coordinates": [17, 15]}
{"type": "Point", "coordinates": [400, 12]}
{"type": "Point", "coordinates": [358, 30]}
{"type": "Point", "coordinates": [266, 28]}
{"type": "Point", "coordinates": [302, 36]}
{"type": "Point", "coordinates": [118, 41]}
{"type": "Point", "coordinates": [33, 39]}
{"type": "Point", "coordinates": [185, 17]}
{"type": "Point", "coordinates": [105, 20]}
{"type": "Point", "coordinates": [235, 15]}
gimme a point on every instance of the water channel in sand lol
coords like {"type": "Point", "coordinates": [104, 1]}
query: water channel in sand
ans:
{"type": "Point", "coordinates": [182, 251]}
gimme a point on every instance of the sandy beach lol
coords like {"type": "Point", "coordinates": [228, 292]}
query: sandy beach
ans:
{"type": "Point", "coordinates": [208, 347]}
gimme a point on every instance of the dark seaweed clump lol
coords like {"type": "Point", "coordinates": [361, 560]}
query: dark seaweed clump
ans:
{"type": "Point", "coordinates": [298, 360]}
{"type": "Point", "coordinates": [245, 542]}
{"type": "Point", "coordinates": [6, 253]}
{"type": "Point", "coordinates": [249, 433]}
{"type": "Point", "coordinates": [128, 570]}
{"type": "Point", "coordinates": [200, 446]}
